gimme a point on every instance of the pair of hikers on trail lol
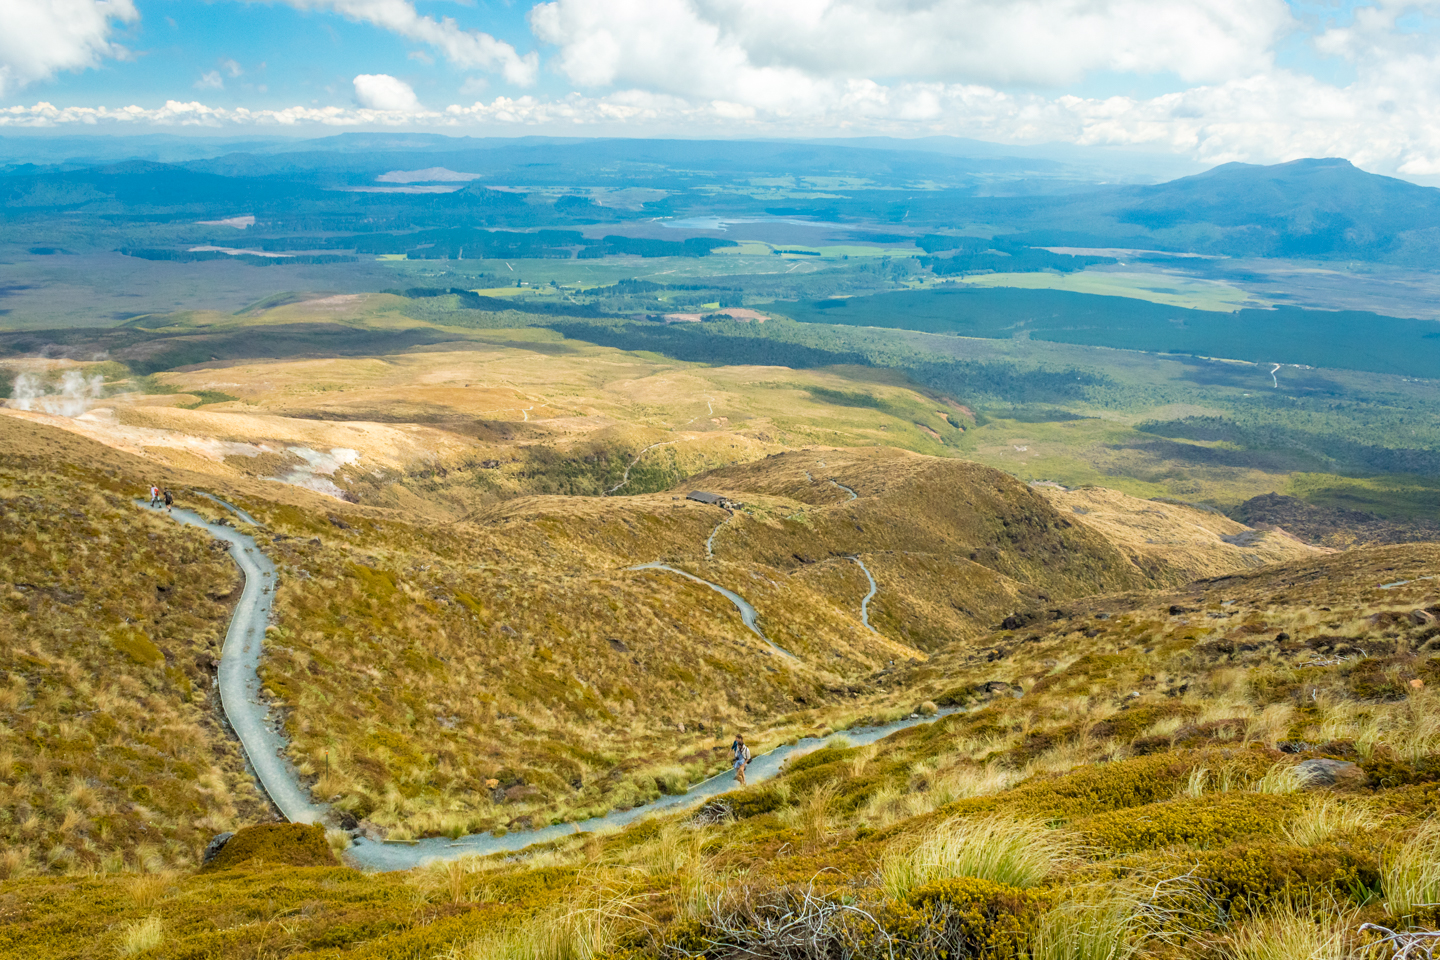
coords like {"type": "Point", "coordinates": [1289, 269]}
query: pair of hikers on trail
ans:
{"type": "Point", "coordinates": [741, 753]}
{"type": "Point", "coordinates": [156, 494]}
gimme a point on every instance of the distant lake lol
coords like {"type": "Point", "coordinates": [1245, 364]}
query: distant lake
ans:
{"type": "Point", "coordinates": [720, 223]}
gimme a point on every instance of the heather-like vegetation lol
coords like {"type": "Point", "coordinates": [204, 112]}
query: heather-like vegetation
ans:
{"type": "Point", "coordinates": [513, 670]}
{"type": "Point", "coordinates": [112, 753]}
{"type": "Point", "coordinates": [1244, 768]}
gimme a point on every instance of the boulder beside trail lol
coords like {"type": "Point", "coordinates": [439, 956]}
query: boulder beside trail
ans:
{"type": "Point", "coordinates": [1323, 772]}
{"type": "Point", "coordinates": [212, 849]}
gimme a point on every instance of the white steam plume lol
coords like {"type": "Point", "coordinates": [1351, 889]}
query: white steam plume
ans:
{"type": "Point", "coordinates": [72, 396]}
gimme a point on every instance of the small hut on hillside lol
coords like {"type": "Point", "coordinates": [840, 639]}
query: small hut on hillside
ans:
{"type": "Point", "coordinates": [713, 499]}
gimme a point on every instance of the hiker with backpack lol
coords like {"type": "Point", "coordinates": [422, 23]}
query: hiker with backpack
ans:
{"type": "Point", "coordinates": [741, 753]}
{"type": "Point", "coordinates": [169, 501]}
{"type": "Point", "coordinates": [154, 496]}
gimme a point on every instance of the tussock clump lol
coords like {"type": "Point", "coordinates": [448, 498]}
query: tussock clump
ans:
{"type": "Point", "coordinates": [1411, 873]}
{"type": "Point", "coordinates": [1103, 928]}
{"type": "Point", "coordinates": [566, 931]}
{"type": "Point", "coordinates": [1296, 930]}
{"type": "Point", "coordinates": [1325, 818]}
{"type": "Point", "coordinates": [1281, 778]}
{"type": "Point", "coordinates": [1014, 852]}
{"type": "Point", "coordinates": [141, 936]}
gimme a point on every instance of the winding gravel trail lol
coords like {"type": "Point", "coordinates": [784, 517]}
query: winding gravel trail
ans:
{"type": "Point", "coordinates": [231, 507]}
{"type": "Point", "coordinates": [748, 614]}
{"type": "Point", "coordinates": [264, 745]}
{"type": "Point", "coordinates": [710, 540]}
{"type": "Point", "coordinates": [626, 478]}
{"type": "Point", "coordinates": [853, 494]}
{"type": "Point", "coordinates": [865, 604]}
{"type": "Point", "coordinates": [239, 678]}
{"type": "Point", "coordinates": [402, 856]}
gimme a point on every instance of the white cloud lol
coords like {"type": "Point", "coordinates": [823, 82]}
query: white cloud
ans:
{"type": "Point", "coordinates": [39, 38]}
{"type": "Point", "coordinates": [380, 91]}
{"type": "Point", "coordinates": [195, 114]}
{"type": "Point", "coordinates": [918, 67]}
{"type": "Point", "coordinates": [748, 50]}
{"type": "Point", "coordinates": [210, 81]}
{"type": "Point", "coordinates": [471, 49]}
{"type": "Point", "coordinates": [232, 68]}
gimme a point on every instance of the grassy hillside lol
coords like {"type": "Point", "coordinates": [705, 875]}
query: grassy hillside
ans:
{"type": "Point", "coordinates": [505, 667]}
{"type": "Point", "coordinates": [112, 750]}
{"type": "Point", "coordinates": [1134, 775]}
{"type": "Point", "coordinates": [518, 646]}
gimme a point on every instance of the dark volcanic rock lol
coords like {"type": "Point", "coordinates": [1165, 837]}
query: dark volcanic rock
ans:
{"type": "Point", "coordinates": [212, 849]}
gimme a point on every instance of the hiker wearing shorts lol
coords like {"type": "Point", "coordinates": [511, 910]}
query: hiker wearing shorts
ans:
{"type": "Point", "coordinates": [154, 496]}
{"type": "Point", "coordinates": [169, 502]}
{"type": "Point", "coordinates": [741, 753]}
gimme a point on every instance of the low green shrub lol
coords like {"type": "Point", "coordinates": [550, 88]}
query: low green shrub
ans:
{"type": "Point", "coordinates": [276, 844]}
{"type": "Point", "coordinates": [965, 918]}
{"type": "Point", "coordinates": [817, 758]}
{"type": "Point", "coordinates": [1249, 876]}
{"type": "Point", "coordinates": [1112, 786]}
{"type": "Point", "coordinates": [1205, 822]}
{"type": "Point", "coordinates": [754, 802]}
{"type": "Point", "coordinates": [1385, 770]}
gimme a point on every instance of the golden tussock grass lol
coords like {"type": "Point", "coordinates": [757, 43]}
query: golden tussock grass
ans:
{"type": "Point", "coordinates": [112, 756]}
{"type": "Point", "coordinates": [1410, 872]}
{"type": "Point", "coordinates": [1012, 851]}
{"type": "Point", "coordinates": [1104, 926]}
{"type": "Point", "coordinates": [566, 932]}
{"type": "Point", "coordinates": [1325, 818]}
{"type": "Point", "coordinates": [1281, 778]}
{"type": "Point", "coordinates": [1296, 929]}
{"type": "Point", "coordinates": [141, 936]}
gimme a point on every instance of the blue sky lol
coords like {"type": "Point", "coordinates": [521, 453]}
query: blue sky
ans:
{"type": "Point", "coordinates": [303, 56]}
{"type": "Point", "coordinates": [1212, 79]}
{"type": "Point", "coordinates": [287, 55]}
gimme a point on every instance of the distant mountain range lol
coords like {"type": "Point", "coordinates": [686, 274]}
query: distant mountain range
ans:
{"type": "Point", "coordinates": [1307, 209]}
{"type": "Point", "coordinates": [1326, 209]}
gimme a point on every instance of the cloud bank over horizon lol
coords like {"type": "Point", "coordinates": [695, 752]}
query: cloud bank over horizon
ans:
{"type": "Point", "coordinates": [1218, 80]}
